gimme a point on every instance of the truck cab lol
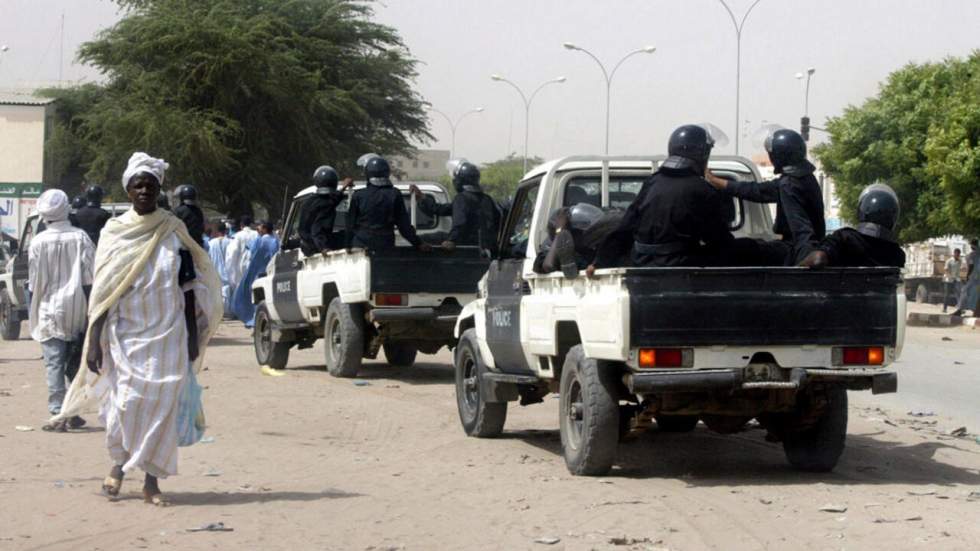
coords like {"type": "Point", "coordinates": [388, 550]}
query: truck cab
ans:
{"type": "Point", "coordinates": [401, 300]}
{"type": "Point", "coordinates": [14, 302]}
{"type": "Point", "coordinates": [638, 346]}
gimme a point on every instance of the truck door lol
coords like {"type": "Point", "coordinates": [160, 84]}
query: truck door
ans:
{"type": "Point", "coordinates": [20, 265]}
{"type": "Point", "coordinates": [286, 266]}
{"type": "Point", "coordinates": [506, 285]}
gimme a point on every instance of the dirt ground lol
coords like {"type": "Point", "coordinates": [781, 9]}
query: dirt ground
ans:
{"type": "Point", "coordinates": [306, 461]}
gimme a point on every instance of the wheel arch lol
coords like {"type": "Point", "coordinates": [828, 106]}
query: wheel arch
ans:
{"type": "Point", "coordinates": [567, 335]}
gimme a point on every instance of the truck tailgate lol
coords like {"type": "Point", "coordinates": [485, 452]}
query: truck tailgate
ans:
{"type": "Point", "coordinates": [406, 270]}
{"type": "Point", "coordinates": [762, 306]}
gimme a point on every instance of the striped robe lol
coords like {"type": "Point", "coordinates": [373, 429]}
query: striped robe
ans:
{"type": "Point", "coordinates": [146, 360]}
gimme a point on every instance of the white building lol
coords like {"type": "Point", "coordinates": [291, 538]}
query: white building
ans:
{"type": "Point", "coordinates": [427, 165]}
{"type": "Point", "coordinates": [25, 123]}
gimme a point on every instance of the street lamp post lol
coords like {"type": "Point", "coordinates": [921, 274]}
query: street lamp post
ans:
{"type": "Point", "coordinates": [806, 91]}
{"type": "Point", "coordinates": [3, 50]}
{"type": "Point", "coordinates": [739, 25]}
{"type": "Point", "coordinates": [452, 125]}
{"type": "Point", "coordinates": [527, 105]}
{"type": "Point", "coordinates": [610, 74]}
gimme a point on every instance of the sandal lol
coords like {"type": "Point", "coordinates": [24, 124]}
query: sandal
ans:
{"type": "Point", "coordinates": [57, 426]}
{"type": "Point", "coordinates": [111, 486]}
{"type": "Point", "coordinates": [156, 499]}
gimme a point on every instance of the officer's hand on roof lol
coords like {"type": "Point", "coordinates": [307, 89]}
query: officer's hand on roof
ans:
{"type": "Point", "coordinates": [816, 259]}
{"type": "Point", "coordinates": [348, 182]}
{"type": "Point", "coordinates": [448, 245]}
{"type": "Point", "coordinates": [715, 181]}
{"type": "Point", "coordinates": [414, 189]}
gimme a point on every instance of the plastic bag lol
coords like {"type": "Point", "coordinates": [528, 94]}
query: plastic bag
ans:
{"type": "Point", "coordinates": [190, 412]}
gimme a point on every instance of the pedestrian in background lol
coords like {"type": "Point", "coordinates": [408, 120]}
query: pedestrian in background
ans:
{"type": "Point", "coordinates": [218, 250]}
{"type": "Point", "coordinates": [969, 294]}
{"type": "Point", "coordinates": [261, 252]}
{"type": "Point", "coordinates": [59, 276]}
{"type": "Point", "coordinates": [951, 278]}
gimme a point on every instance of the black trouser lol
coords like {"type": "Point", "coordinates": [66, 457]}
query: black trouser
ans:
{"type": "Point", "coordinates": [950, 289]}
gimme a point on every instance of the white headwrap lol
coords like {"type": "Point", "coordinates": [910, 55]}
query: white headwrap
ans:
{"type": "Point", "coordinates": [53, 205]}
{"type": "Point", "coordinates": [141, 162]}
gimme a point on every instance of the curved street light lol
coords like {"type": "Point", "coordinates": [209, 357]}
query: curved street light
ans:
{"type": "Point", "coordinates": [608, 74]}
{"type": "Point", "coordinates": [806, 93]}
{"type": "Point", "coordinates": [452, 125]}
{"type": "Point", "coordinates": [739, 25]}
{"type": "Point", "coordinates": [527, 105]}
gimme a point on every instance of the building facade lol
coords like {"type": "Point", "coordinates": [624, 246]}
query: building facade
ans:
{"type": "Point", "coordinates": [426, 165]}
{"type": "Point", "coordinates": [25, 124]}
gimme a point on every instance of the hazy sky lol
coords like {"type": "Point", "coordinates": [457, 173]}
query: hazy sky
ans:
{"type": "Point", "coordinates": [853, 44]}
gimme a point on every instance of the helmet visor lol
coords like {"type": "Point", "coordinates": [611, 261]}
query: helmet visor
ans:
{"type": "Point", "coordinates": [716, 137]}
{"type": "Point", "coordinates": [362, 161]}
{"type": "Point", "coordinates": [762, 137]}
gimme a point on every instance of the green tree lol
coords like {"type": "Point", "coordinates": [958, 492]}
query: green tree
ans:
{"type": "Point", "coordinates": [66, 147]}
{"type": "Point", "coordinates": [245, 98]}
{"type": "Point", "coordinates": [921, 135]}
{"type": "Point", "coordinates": [500, 178]}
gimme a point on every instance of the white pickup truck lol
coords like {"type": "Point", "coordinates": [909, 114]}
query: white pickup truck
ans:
{"type": "Point", "coordinates": [402, 300]}
{"type": "Point", "coordinates": [672, 345]}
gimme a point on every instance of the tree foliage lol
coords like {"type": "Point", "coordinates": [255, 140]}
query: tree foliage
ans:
{"type": "Point", "coordinates": [921, 135]}
{"type": "Point", "coordinates": [245, 98]}
{"type": "Point", "coordinates": [500, 178]}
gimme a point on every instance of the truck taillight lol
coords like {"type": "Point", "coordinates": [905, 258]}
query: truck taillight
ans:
{"type": "Point", "coordinates": [384, 299]}
{"type": "Point", "coordinates": [862, 355]}
{"type": "Point", "coordinates": [662, 357]}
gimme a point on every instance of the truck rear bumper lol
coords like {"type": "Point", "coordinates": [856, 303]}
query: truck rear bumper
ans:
{"type": "Point", "coordinates": [382, 315]}
{"type": "Point", "coordinates": [880, 382]}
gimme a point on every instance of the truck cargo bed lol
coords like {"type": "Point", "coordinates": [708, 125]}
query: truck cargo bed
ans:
{"type": "Point", "coordinates": [762, 306]}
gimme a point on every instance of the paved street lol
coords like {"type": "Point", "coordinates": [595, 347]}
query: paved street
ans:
{"type": "Point", "coordinates": [309, 461]}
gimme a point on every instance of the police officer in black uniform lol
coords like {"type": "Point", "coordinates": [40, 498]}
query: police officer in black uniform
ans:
{"type": "Point", "coordinates": [872, 243]}
{"type": "Point", "coordinates": [476, 217]}
{"type": "Point", "coordinates": [377, 210]}
{"type": "Point", "coordinates": [189, 212]}
{"type": "Point", "coordinates": [799, 201]}
{"type": "Point", "coordinates": [677, 219]}
{"type": "Point", "coordinates": [567, 248]}
{"type": "Point", "coordinates": [92, 217]}
{"type": "Point", "coordinates": [316, 220]}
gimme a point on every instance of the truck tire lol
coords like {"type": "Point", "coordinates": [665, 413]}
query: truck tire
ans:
{"type": "Point", "coordinates": [272, 354]}
{"type": "Point", "coordinates": [9, 321]}
{"type": "Point", "coordinates": [588, 415]}
{"type": "Point", "coordinates": [676, 423]}
{"type": "Point", "coordinates": [818, 448]}
{"type": "Point", "coordinates": [479, 418]}
{"type": "Point", "coordinates": [343, 338]}
{"type": "Point", "coordinates": [400, 355]}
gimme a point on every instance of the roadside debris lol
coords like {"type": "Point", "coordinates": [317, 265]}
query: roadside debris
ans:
{"type": "Point", "coordinates": [922, 492]}
{"type": "Point", "coordinates": [624, 540]}
{"type": "Point", "coordinates": [207, 440]}
{"type": "Point", "coordinates": [361, 383]}
{"type": "Point", "coordinates": [212, 527]}
{"type": "Point", "coordinates": [547, 540]}
{"type": "Point", "coordinates": [921, 413]}
{"type": "Point", "coordinates": [24, 428]}
{"type": "Point", "coordinates": [832, 508]}
{"type": "Point", "coordinates": [959, 431]}
{"type": "Point", "coordinates": [213, 472]}
{"type": "Point", "coordinates": [269, 372]}
{"type": "Point", "coordinates": [947, 338]}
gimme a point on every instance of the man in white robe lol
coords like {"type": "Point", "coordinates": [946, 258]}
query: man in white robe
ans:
{"type": "Point", "coordinates": [236, 261]}
{"type": "Point", "coordinates": [60, 272]}
{"type": "Point", "coordinates": [154, 305]}
{"type": "Point", "coordinates": [218, 251]}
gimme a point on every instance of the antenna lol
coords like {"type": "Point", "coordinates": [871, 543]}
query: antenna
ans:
{"type": "Point", "coordinates": [61, 54]}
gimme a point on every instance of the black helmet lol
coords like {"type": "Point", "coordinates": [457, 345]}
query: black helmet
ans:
{"type": "Point", "coordinates": [878, 210]}
{"type": "Point", "coordinates": [582, 215]}
{"type": "Point", "coordinates": [377, 167]}
{"type": "Point", "coordinates": [689, 148]}
{"type": "Point", "coordinates": [466, 174]}
{"type": "Point", "coordinates": [186, 194]}
{"type": "Point", "coordinates": [325, 176]}
{"type": "Point", "coordinates": [786, 149]}
{"type": "Point", "coordinates": [94, 195]}
{"type": "Point", "coordinates": [78, 202]}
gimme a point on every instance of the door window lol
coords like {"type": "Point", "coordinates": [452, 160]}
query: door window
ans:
{"type": "Point", "coordinates": [291, 233]}
{"type": "Point", "coordinates": [514, 243]}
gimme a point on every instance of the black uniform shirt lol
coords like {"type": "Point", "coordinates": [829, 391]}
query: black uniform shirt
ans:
{"type": "Point", "coordinates": [848, 247]}
{"type": "Point", "coordinates": [91, 220]}
{"type": "Point", "coordinates": [316, 220]}
{"type": "Point", "coordinates": [799, 209]}
{"type": "Point", "coordinates": [193, 218]}
{"type": "Point", "coordinates": [375, 211]}
{"type": "Point", "coordinates": [676, 210]}
{"type": "Point", "coordinates": [474, 213]}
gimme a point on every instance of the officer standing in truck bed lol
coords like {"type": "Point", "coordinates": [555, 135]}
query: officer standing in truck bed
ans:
{"type": "Point", "coordinates": [377, 210]}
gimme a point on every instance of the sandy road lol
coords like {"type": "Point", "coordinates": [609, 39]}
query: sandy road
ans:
{"type": "Point", "coordinates": [307, 461]}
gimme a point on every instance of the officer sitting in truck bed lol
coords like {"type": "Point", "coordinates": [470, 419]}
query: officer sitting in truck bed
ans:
{"type": "Point", "coordinates": [872, 243]}
{"type": "Point", "coordinates": [377, 210]}
{"type": "Point", "coordinates": [316, 220]}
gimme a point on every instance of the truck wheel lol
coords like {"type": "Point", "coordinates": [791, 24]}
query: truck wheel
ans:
{"type": "Point", "coordinates": [588, 415]}
{"type": "Point", "coordinates": [818, 448]}
{"type": "Point", "coordinates": [479, 418]}
{"type": "Point", "coordinates": [9, 323]}
{"type": "Point", "coordinates": [267, 352]}
{"type": "Point", "coordinates": [343, 339]}
{"type": "Point", "coordinates": [676, 423]}
{"type": "Point", "coordinates": [400, 355]}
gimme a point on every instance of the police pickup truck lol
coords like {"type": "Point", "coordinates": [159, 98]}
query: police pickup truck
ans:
{"type": "Point", "coordinates": [632, 347]}
{"type": "Point", "coordinates": [14, 305]}
{"type": "Point", "coordinates": [401, 300]}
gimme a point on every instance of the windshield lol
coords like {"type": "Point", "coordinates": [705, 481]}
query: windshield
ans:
{"type": "Point", "coordinates": [422, 220]}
